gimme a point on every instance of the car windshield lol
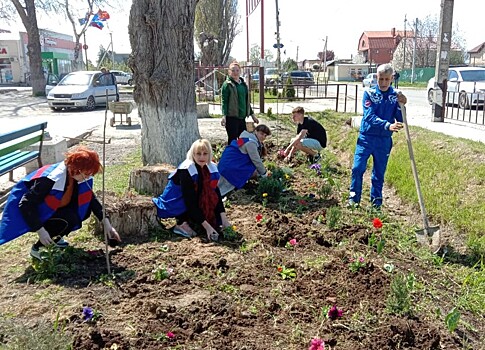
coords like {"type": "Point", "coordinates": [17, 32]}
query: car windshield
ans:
{"type": "Point", "coordinates": [300, 74]}
{"type": "Point", "coordinates": [76, 79]}
{"type": "Point", "coordinates": [271, 71]}
{"type": "Point", "coordinates": [473, 75]}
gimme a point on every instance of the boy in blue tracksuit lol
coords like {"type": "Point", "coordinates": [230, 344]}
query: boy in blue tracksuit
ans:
{"type": "Point", "coordinates": [382, 117]}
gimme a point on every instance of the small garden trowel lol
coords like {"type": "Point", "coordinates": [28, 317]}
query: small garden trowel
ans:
{"type": "Point", "coordinates": [428, 236]}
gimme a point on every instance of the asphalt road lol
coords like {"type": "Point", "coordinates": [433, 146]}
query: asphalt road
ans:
{"type": "Point", "coordinates": [19, 109]}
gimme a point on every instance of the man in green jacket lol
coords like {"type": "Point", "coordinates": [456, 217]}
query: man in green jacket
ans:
{"type": "Point", "coordinates": [235, 103]}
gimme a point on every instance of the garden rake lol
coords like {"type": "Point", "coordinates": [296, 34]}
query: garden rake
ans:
{"type": "Point", "coordinates": [430, 235]}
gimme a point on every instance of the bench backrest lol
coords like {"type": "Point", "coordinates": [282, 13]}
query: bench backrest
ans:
{"type": "Point", "coordinates": [6, 138]}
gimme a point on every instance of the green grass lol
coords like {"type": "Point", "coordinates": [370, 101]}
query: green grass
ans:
{"type": "Point", "coordinates": [117, 176]}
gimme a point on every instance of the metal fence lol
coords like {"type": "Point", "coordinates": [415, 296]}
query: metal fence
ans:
{"type": "Point", "coordinates": [465, 107]}
{"type": "Point", "coordinates": [336, 96]}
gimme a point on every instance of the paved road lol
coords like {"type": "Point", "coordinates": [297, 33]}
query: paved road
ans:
{"type": "Point", "coordinates": [19, 109]}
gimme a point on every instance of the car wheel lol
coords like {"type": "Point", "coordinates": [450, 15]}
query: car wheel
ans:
{"type": "Point", "coordinates": [463, 100]}
{"type": "Point", "coordinates": [55, 108]}
{"type": "Point", "coordinates": [430, 96]}
{"type": "Point", "coordinates": [90, 104]}
{"type": "Point", "coordinates": [130, 82]}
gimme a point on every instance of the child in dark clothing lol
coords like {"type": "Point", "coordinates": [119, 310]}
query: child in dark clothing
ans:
{"type": "Point", "coordinates": [192, 194]}
{"type": "Point", "coordinates": [311, 137]}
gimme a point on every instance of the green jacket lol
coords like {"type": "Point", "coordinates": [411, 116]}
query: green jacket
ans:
{"type": "Point", "coordinates": [235, 99]}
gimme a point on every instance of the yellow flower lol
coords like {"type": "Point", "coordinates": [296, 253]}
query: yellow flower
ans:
{"type": "Point", "coordinates": [234, 227]}
{"type": "Point", "coordinates": [265, 195]}
{"type": "Point", "coordinates": [287, 176]}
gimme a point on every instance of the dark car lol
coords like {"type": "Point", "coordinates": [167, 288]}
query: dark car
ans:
{"type": "Point", "coordinates": [298, 77]}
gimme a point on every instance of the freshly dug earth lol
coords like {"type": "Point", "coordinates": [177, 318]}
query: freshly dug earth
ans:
{"type": "Point", "coordinates": [232, 294]}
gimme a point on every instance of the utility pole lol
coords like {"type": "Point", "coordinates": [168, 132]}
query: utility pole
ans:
{"type": "Point", "coordinates": [442, 60]}
{"type": "Point", "coordinates": [112, 51]}
{"type": "Point", "coordinates": [261, 62]}
{"type": "Point", "coordinates": [325, 64]}
{"type": "Point", "coordinates": [278, 45]}
{"type": "Point", "coordinates": [297, 47]}
{"type": "Point", "coordinates": [404, 47]}
{"type": "Point", "coordinates": [414, 50]}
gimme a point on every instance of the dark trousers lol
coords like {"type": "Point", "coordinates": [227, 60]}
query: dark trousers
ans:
{"type": "Point", "coordinates": [234, 128]}
{"type": "Point", "coordinates": [61, 223]}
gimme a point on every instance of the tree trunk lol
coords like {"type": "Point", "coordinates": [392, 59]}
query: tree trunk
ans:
{"type": "Point", "coordinates": [150, 180]}
{"type": "Point", "coordinates": [29, 20]}
{"type": "Point", "coordinates": [162, 60]}
{"type": "Point", "coordinates": [131, 216]}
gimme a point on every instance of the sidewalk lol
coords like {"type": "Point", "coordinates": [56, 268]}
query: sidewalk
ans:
{"type": "Point", "coordinates": [449, 127]}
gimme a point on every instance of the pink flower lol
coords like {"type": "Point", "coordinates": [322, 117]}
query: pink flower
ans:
{"type": "Point", "coordinates": [259, 217]}
{"type": "Point", "coordinates": [281, 153]}
{"type": "Point", "coordinates": [293, 242]}
{"type": "Point", "coordinates": [361, 259]}
{"type": "Point", "coordinates": [170, 335]}
{"type": "Point", "coordinates": [317, 344]}
{"type": "Point", "coordinates": [335, 313]}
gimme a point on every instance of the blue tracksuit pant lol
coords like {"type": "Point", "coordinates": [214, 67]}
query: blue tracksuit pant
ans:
{"type": "Point", "coordinates": [379, 147]}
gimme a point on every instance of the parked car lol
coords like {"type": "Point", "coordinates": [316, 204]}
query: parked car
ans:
{"type": "Point", "coordinates": [271, 76]}
{"type": "Point", "coordinates": [83, 89]}
{"type": "Point", "coordinates": [298, 77]}
{"type": "Point", "coordinates": [51, 81]}
{"type": "Point", "coordinates": [370, 80]}
{"type": "Point", "coordinates": [465, 86]}
{"type": "Point", "coordinates": [122, 77]}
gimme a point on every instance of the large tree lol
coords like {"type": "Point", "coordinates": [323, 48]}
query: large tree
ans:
{"type": "Point", "coordinates": [26, 9]}
{"type": "Point", "coordinates": [162, 60]}
{"type": "Point", "coordinates": [216, 26]}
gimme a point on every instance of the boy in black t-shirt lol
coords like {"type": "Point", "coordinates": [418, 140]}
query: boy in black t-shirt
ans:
{"type": "Point", "coordinates": [311, 137]}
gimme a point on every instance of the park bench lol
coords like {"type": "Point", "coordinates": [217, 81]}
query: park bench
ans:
{"type": "Point", "coordinates": [13, 153]}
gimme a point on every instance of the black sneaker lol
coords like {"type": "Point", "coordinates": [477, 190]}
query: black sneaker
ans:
{"type": "Point", "coordinates": [314, 159]}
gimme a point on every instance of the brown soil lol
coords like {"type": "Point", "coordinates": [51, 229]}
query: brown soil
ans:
{"type": "Point", "coordinates": [229, 295]}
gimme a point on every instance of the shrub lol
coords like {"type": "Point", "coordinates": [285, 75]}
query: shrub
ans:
{"type": "Point", "coordinates": [289, 89]}
{"type": "Point", "coordinates": [399, 299]}
{"type": "Point", "coordinates": [272, 187]}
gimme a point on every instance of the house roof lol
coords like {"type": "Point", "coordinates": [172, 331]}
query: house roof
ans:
{"type": "Point", "coordinates": [478, 48]}
{"type": "Point", "coordinates": [388, 33]}
{"type": "Point", "coordinates": [382, 43]}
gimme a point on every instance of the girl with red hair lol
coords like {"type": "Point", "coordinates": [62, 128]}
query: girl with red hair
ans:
{"type": "Point", "coordinates": [54, 201]}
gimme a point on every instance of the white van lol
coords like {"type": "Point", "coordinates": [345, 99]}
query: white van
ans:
{"type": "Point", "coordinates": [83, 89]}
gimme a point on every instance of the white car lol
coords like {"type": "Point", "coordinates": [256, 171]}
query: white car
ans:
{"type": "Point", "coordinates": [122, 77]}
{"type": "Point", "coordinates": [465, 86]}
{"type": "Point", "coordinates": [370, 80]}
{"type": "Point", "coordinates": [83, 89]}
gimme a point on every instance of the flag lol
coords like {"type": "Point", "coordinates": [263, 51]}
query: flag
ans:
{"type": "Point", "coordinates": [97, 24]}
{"type": "Point", "coordinates": [103, 15]}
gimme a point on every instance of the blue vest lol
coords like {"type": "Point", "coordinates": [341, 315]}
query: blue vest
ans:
{"type": "Point", "coordinates": [235, 166]}
{"type": "Point", "coordinates": [13, 224]}
{"type": "Point", "coordinates": [171, 202]}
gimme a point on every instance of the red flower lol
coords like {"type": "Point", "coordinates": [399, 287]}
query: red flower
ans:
{"type": "Point", "coordinates": [377, 223]}
{"type": "Point", "coordinates": [259, 217]}
{"type": "Point", "coordinates": [302, 202]}
{"type": "Point", "coordinates": [280, 269]}
{"type": "Point", "coordinates": [170, 335]}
